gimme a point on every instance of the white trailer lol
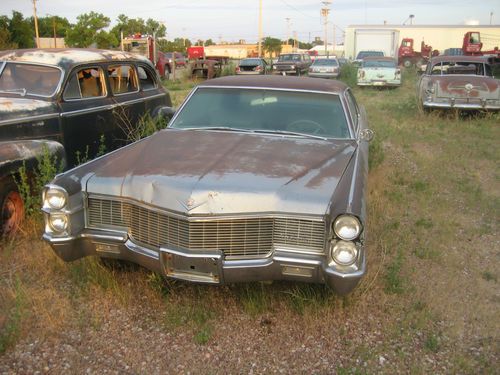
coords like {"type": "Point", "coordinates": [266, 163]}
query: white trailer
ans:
{"type": "Point", "coordinates": [376, 40]}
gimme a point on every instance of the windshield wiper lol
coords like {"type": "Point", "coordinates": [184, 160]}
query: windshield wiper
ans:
{"type": "Point", "coordinates": [224, 128]}
{"type": "Point", "coordinates": [285, 132]}
{"type": "Point", "coordinates": [21, 92]}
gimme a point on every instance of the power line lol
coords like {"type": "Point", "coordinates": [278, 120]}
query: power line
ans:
{"type": "Point", "coordinates": [297, 10]}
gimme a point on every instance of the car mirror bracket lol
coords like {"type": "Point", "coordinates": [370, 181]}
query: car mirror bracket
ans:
{"type": "Point", "coordinates": [366, 135]}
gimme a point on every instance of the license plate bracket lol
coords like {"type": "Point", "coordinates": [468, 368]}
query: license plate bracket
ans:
{"type": "Point", "coordinates": [194, 266]}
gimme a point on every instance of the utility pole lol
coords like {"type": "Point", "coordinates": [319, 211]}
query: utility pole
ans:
{"type": "Point", "coordinates": [491, 18]}
{"type": "Point", "coordinates": [324, 13]}
{"type": "Point", "coordinates": [287, 30]}
{"type": "Point", "coordinates": [54, 26]}
{"type": "Point", "coordinates": [36, 25]}
{"type": "Point", "coordinates": [260, 29]}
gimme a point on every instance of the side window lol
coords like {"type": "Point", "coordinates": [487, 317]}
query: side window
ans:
{"type": "Point", "coordinates": [85, 83]}
{"type": "Point", "coordinates": [146, 78]}
{"type": "Point", "coordinates": [122, 79]}
{"type": "Point", "coordinates": [353, 108]}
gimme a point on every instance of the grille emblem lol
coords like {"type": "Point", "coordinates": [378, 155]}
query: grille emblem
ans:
{"type": "Point", "coordinates": [469, 87]}
{"type": "Point", "coordinates": [190, 203]}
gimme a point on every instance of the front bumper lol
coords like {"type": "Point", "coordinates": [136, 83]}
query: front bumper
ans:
{"type": "Point", "coordinates": [210, 266]}
{"type": "Point", "coordinates": [380, 83]}
{"type": "Point", "coordinates": [463, 104]}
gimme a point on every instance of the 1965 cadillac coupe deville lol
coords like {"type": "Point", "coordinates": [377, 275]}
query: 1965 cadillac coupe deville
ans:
{"type": "Point", "coordinates": [259, 178]}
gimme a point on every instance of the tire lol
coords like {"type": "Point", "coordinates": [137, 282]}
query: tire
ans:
{"type": "Point", "coordinates": [11, 208]}
{"type": "Point", "coordinates": [407, 63]}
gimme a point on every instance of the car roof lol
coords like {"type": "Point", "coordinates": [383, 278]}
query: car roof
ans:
{"type": "Point", "coordinates": [379, 58]}
{"type": "Point", "coordinates": [278, 82]}
{"type": "Point", "coordinates": [68, 57]}
{"type": "Point", "coordinates": [459, 58]}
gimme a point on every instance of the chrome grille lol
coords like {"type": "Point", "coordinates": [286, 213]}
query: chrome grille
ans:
{"type": "Point", "coordinates": [239, 238]}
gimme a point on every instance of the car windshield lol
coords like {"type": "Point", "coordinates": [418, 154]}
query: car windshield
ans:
{"type": "Point", "coordinates": [29, 79]}
{"type": "Point", "coordinates": [325, 62]}
{"type": "Point", "coordinates": [364, 54]}
{"type": "Point", "coordinates": [379, 64]}
{"type": "Point", "coordinates": [289, 57]}
{"type": "Point", "coordinates": [269, 111]}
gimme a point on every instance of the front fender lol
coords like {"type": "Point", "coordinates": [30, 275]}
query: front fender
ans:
{"type": "Point", "coordinates": [14, 154]}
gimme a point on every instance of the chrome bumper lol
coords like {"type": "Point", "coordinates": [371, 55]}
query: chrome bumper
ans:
{"type": "Point", "coordinates": [209, 266]}
{"type": "Point", "coordinates": [461, 105]}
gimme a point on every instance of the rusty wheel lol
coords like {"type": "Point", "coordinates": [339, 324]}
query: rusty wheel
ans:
{"type": "Point", "coordinates": [12, 209]}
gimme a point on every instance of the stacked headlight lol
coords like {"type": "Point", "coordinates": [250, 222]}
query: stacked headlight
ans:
{"type": "Point", "coordinates": [347, 227]}
{"type": "Point", "coordinates": [55, 201]}
{"type": "Point", "coordinates": [344, 252]}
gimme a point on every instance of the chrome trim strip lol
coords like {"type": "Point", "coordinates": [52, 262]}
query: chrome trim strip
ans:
{"type": "Point", "coordinates": [21, 120]}
{"type": "Point", "coordinates": [117, 237]}
{"type": "Point", "coordinates": [192, 218]}
{"type": "Point", "coordinates": [87, 110]}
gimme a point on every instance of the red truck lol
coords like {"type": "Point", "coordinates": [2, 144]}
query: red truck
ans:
{"type": "Point", "coordinates": [472, 45]}
{"type": "Point", "coordinates": [408, 57]}
{"type": "Point", "coordinates": [195, 52]}
{"type": "Point", "coordinates": [144, 45]}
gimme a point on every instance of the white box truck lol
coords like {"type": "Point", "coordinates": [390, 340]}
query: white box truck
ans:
{"type": "Point", "coordinates": [386, 41]}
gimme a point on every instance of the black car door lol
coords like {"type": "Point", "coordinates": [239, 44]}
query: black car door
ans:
{"type": "Point", "coordinates": [86, 113]}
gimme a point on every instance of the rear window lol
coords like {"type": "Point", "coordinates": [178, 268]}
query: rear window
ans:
{"type": "Point", "coordinates": [364, 54]}
{"type": "Point", "coordinates": [458, 68]}
{"type": "Point", "coordinates": [29, 79]}
{"type": "Point", "coordinates": [85, 83]}
{"type": "Point", "coordinates": [122, 79]}
{"type": "Point", "coordinates": [379, 64]}
{"type": "Point", "coordinates": [325, 62]}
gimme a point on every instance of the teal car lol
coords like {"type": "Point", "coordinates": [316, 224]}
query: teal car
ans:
{"type": "Point", "coordinates": [379, 71]}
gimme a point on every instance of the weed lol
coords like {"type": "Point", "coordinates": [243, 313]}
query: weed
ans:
{"type": "Point", "coordinates": [432, 343]}
{"type": "Point", "coordinates": [394, 282]}
{"type": "Point", "coordinates": [203, 335]}
{"type": "Point", "coordinates": [348, 74]}
{"type": "Point", "coordinates": [228, 69]}
{"type": "Point", "coordinates": [489, 276]}
{"type": "Point", "coordinates": [424, 223]}
{"type": "Point", "coordinates": [426, 252]}
{"type": "Point", "coordinates": [145, 126]}
{"type": "Point", "coordinates": [11, 329]}
{"type": "Point", "coordinates": [254, 298]}
{"type": "Point", "coordinates": [376, 153]}
{"type": "Point", "coordinates": [82, 158]}
{"type": "Point", "coordinates": [307, 296]}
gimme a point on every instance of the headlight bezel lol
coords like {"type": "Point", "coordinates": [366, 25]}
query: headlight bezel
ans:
{"type": "Point", "coordinates": [347, 219]}
{"type": "Point", "coordinates": [341, 246]}
{"type": "Point", "coordinates": [61, 216]}
{"type": "Point", "coordinates": [55, 190]}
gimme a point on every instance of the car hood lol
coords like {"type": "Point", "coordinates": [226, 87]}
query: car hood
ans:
{"type": "Point", "coordinates": [222, 173]}
{"type": "Point", "coordinates": [19, 108]}
{"type": "Point", "coordinates": [467, 86]}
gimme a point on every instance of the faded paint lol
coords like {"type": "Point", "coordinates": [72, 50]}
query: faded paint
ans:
{"type": "Point", "coordinates": [14, 152]}
{"type": "Point", "coordinates": [64, 57]}
{"type": "Point", "coordinates": [22, 104]}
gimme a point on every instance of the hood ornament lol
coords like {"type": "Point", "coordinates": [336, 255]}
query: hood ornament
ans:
{"type": "Point", "coordinates": [190, 203]}
{"type": "Point", "coordinates": [469, 87]}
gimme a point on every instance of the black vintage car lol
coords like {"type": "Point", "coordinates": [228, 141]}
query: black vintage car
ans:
{"type": "Point", "coordinates": [69, 102]}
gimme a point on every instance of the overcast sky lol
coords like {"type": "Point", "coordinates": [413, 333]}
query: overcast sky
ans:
{"type": "Point", "coordinates": [231, 20]}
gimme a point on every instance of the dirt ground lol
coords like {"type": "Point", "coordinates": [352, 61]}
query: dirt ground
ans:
{"type": "Point", "coordinates": [428, 305]}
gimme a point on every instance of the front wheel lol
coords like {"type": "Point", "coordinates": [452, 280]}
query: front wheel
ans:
{"type": "Point", "coordinates": [407, 63]}
{"type": "Point", "coordinates": [11, 208]}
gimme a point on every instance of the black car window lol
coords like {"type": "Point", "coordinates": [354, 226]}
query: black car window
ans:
{"type": "Point", "coordinates": [29, 79]}
{"type": "Point", "coordinates": [85, 83]}
{"type": "Point", "coordinates": [146, 78]}
{"type": "Point", "coordinates": [122, 79]}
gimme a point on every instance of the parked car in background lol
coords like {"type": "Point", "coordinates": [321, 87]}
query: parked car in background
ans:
{"type": "Point", "coordinates": [254, 65]}
{"type": "Point", "coordinates": [255, 178]}
{"type": "Point", "coordinates": [379, 71]}
{"type": "Point", "coordinates": [206, 68]}
{"type": "Point", "coordinates": [68, 102]}
{"type": "Point", "coordinates": [165, 63]}
{"type": "Point", "coordinates": [325, 68]}
{"type": "Point", "coordinates": [460, 82]}
{"type": "Point", "coordinates": [292, 63]}
{"type": "Point", "coordinates": [362, 54]}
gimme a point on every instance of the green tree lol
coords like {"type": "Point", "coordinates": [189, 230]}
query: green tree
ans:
{"type": "Point", "coordinates": [5, 39]}
{"type": "Point", "coordinates": [106, 40]}
{"type": "Point", "coordinates": [271, 46]}
{"type": "Point", "coordinates": [46, 26]}
{"type": "Point", "coordinates": [84, 33]}
{"type": "Point", "coordinates": [131, 26]}
{"type": "Point", "coordinates": [20, 31]}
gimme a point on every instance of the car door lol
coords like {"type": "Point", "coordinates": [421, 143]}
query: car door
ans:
{"type": "Point", "coordinates": [85, 112]}
{"type": "Point", "coordinates": [128, 102]}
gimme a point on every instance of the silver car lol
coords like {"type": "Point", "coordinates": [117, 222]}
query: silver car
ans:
{"type": "Point", "coordinates": [325, 68]}
{"type": "Point", "coordinates": [255, 178]}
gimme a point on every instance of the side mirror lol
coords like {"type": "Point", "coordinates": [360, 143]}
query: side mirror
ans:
{"type": "Point", "coordinates": [166, 113]}
{"type": "Point", "coordinates": [366, 135]}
